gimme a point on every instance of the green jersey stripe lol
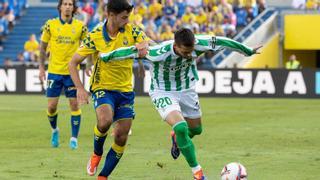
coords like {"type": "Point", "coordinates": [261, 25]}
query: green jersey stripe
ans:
{"type": "Point", "coordinates": [186, 75]}
{"type": "Point", "coordinates": [178, 74]}
{"type": "Point", "coordinates": [194, 71]}
{"type": "Point", "coordinates": [156, 72]}
{"type": "Point", "coordinates": [166, 73]}
{"type": "Point", "coordinates": [121, 53]}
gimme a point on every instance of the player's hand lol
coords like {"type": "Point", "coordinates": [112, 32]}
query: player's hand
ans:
{"type": "Point", "coordinates": [256, 50]}
{"type": "Point", "coordinates": [82, 96]}
{"type": "Point", "coordinates": [142, 48]}
{"type": "Point", "coordinates": [88, 71]}
{"type": "Point", "coordinates": [42, 74]}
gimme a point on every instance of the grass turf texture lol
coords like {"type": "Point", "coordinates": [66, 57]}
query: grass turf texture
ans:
{"type": "Point", "coordinates": [273, 138]}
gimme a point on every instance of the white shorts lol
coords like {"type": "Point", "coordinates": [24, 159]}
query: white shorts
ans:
{"type": "Point", "coordinates": [186, 102]}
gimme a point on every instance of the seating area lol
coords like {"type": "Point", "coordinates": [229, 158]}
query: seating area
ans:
{"type": "Point", "coordinates": [159, 19]}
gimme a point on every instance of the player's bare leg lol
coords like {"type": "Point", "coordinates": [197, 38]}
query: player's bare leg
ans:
{"type": "Point", "coordinates": [194, 126]}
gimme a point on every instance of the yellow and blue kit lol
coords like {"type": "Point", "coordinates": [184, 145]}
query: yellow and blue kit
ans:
{"type": "Point", "coordinates": [111, 83]}
{"type": "Point", "coordinates": [64, 39]}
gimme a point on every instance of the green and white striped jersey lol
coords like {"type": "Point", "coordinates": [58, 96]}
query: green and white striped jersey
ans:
{"type": "Point", "coordinates": [171, 72]}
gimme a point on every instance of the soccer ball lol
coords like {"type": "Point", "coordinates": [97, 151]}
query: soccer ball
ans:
{"type": "Point", "coordinates": [234, 171]}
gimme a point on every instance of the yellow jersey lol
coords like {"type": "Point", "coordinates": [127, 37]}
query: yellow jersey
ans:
{"type": "Point", "coordinates": [64, 39]}
{"type": "Point", "coordinates": [31, 46]}
{"type": "Point", "coordinates": [116, 75]}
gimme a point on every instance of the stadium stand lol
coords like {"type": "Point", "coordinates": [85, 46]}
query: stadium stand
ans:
{"type": "Point", "coordinates": [159, 19]}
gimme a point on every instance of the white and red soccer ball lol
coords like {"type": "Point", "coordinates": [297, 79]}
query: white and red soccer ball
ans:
{"type": "Point", "coordinates": [234, 171]}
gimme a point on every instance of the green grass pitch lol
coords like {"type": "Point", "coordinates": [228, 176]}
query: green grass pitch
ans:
{"type": "Point", "coordinates": [275, 139]}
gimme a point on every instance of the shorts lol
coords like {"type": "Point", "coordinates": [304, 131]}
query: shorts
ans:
{"type": "Point", "coordinates": [186, 102]}
{"type": "Point", "coordinates": [121, 103]}
{"type": "Point", "coordinates": [56, 82]}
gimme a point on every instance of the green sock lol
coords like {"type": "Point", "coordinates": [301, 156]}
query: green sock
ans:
{"type": "Point", "coordinates": [184, 143]}
{"type": "Point", "coordinates": [195, 131]}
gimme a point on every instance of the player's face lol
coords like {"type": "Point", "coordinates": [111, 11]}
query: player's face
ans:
{"type": "Point", "coordinates": [66, 8]}
{"type": "Point", "coordinates": [183, 51]}
{"type": "Point", "coordinates": [122, 18]}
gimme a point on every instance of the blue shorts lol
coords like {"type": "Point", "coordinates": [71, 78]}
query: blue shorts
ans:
{"type": "Point", "coordinates": [56, 82]}
{"type": "Point", "coordinates": [121, 103]}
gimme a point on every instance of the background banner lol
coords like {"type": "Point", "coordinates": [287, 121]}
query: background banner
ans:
{"type": "Point", "coordinates": [281, 83]}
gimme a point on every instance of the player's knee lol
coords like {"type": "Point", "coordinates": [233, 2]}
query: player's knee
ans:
{"type": "Point", "coordinates": [103, 125]}
{"type": "Point", "coordinates": [196, 131]}
{"type": "Point", "coordinates": [74, 106]}
{"type": "Point", "coordinates": [52, 109]}
{"type": "Point", "coordinates": [120, 138]}
{"type": "Point", "coordinates": [181, 129]}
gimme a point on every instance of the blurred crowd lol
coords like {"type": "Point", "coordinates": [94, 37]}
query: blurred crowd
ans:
{"type": "Point", "coordinates": [161, 18]}
{"type": "Point", "coordinates": [10, 10]}
{"type": "Point", "coordinates": [306, 4]}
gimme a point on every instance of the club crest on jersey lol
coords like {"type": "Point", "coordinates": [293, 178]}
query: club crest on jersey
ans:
{"type": "Point", "coordinates": [125, 41]}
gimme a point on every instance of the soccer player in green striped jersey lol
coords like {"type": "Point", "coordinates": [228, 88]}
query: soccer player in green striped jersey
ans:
{"type": "Point", "coordinates": [174, 76]}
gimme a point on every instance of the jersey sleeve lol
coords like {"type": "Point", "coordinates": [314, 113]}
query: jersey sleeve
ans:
{"type": "Point", "coordinates": [120, 54]}
{"type": "Point", "coordinates": [46, 34]}
{"type": "Point", "coordinates": [84, 32]}
{"type": "Point", "coordinates": [139, 35]}
{"type": "Point", "coordinates": [87, 46]}
{"type": "Point", "coordinates": [205, 43]}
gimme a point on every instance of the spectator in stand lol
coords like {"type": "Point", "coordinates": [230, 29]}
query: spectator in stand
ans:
{"type": "Point", "coordinates": [152, 34]}
{"type": "Point", "coordinates": [141, 8]}
{"type": "Point", "coordinates": [170, 12]}
{"type": "Point", "coordinates": [7, 63]}
{"type": "Point", "coordinates": [155, 11]}
{"type": "Point", "coordinates": [181, 4]}
{"type": "Point", "coordinates": [167, 34]}
{"type": "Point", "coordinates": [187, 16]}
{"type": "Point", "coordinates": [261, 5]}
{"type": "Point", "coordinates": [312, 4]}
{"type": "Point", "coordinates": [81, 15]}
{"type": "Point", "coordinates": [88, 9]}
{"type": "Point", "coordinates": [31, 49]}
{"type": "Point", "coordinates": [20, 59]}
{"type": "Point", "coordinates": [136, 18]}
{"type": "Point", "coordinates": [224, 7]}
{"type": "Point", "coordinates": [3, 30]}
{"type": "Point", "coordinates": [293, 63]}
{"type": "Point", "coordinates": [177, 25]}
{"type": "Point", "coordinates": [229, 23]}
{"type": "Point", "coordinates": [192, 25]}
{"type": "Point", "coordinates": [201, 19]}
{"type": "Point", "coordinates": [298, 4]}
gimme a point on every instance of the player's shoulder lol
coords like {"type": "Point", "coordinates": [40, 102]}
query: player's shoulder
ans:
{"type": "Point", "coordinates": [132, 29]}
{"type": "Point", "coordinates": [52, 21]}
{"type": "Point", "coordinates": [77, 22]}
{"type": "Point", "coordinates": [162, 48]}
{"type": "Point", "coordinates": [96, 31]}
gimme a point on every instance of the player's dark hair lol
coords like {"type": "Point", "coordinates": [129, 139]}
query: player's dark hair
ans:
{"type": "Point", "coordinates": [184, 37]}
{"type": "Point", "coordinates": [75, 7]}
{"type": "Point", "coordinates": [118, 6]}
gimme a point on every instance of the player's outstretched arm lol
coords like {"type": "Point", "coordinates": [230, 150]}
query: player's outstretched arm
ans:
{"type": "Point", "coordinates": [120, 54]}
{"type": "Point", "coordinates": [224, 42]}
{"type": "Point", "coordinates": [82, 94]}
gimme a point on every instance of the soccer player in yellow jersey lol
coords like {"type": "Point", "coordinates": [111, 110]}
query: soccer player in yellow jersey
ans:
{"type": "Point", "coordinates": [111, 83]}
{"type": "Point", "coordinates": [64, 35]}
